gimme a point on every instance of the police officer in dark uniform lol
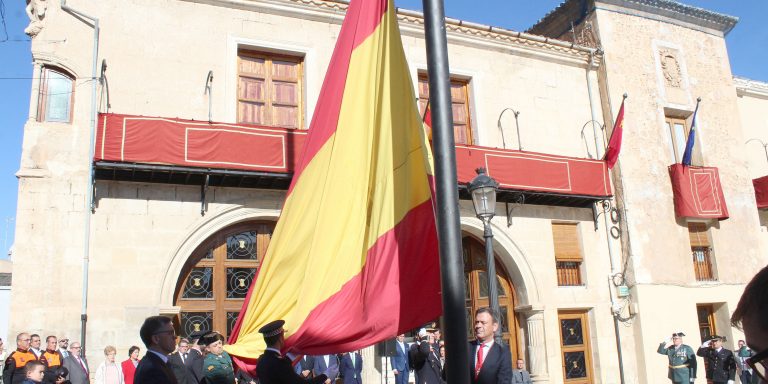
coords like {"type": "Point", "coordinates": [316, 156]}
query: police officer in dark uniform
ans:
{"type": "Point", "coordinates": [721, 365]}
{"type": "Point", "coordinates": [273, 367]}
{"type": "Point", "coordinates": [682, 361]}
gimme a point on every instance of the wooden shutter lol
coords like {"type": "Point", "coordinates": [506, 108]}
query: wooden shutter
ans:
{"type": "Point", "coordinates": [697, 233]}
{"type": "Point", "coordinates": [566, 237]}
{"type": "Point", "coordinates": [462, 121]}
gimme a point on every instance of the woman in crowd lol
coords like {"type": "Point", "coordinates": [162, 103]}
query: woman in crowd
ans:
{"type": "Point", "coordinates": [109, 372]}
{"type": "Point", "coordinates": [129, 366]}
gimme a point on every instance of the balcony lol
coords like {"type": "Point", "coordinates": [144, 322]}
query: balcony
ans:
{"type": "Point", "coordinates": [176, 151]}
{"type": "Point", "coordinates": [761, 192]}
{"type": "Point", "coordinates": [697, 192]}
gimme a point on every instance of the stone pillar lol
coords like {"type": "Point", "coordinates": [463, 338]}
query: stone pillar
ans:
{"type": "Point", "coordinates": [536, 343]}
{"type": "Point", "coordinates": [370, 372]}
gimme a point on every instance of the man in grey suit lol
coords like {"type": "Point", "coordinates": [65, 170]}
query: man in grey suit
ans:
{"type": "Point", "coordinates": [76, 365]}
{"type": "Point", "coordinates": [520, 375]}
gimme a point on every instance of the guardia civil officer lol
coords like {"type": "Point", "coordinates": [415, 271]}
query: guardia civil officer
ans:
{"type": "Point", "coordinates": [273, 367]}
{"type": "Point", "coordinates": [721, 364]}
{"type": "Point", "coordinates": [682, 361]}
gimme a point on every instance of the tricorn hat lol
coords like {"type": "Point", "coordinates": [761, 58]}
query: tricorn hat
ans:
{"type": "Point", "coordinates": [678, 333]}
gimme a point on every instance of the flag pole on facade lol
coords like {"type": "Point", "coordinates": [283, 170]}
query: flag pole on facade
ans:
{"type": "Point", "coordinates": [691, 137]}
{"type": "Point", "coordinates": [614, 144]}
{"type": "Point", "coordinates": [447, 199]}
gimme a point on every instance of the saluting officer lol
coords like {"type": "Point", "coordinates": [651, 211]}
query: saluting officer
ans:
{"type": "Point", "coordinates": [273, 367]}
{"type": "Point", "coordinates": [721, 365]}
{"type": "Point", "coordinates": [682, 361]}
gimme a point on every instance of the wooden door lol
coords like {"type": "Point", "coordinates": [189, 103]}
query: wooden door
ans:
{"type": "Point", "coordinates": [476, 286]}
{"type": "Point", "coordinates": [215, 281]}
{"type": "Point", "coordinates": [574, 343]}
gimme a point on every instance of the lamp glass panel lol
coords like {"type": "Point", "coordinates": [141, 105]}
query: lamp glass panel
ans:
{"type": "Point", "coordinates": [484, 200]}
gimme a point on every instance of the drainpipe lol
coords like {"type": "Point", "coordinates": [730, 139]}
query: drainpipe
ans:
{"type": "Point", "coordinates": [89, 187]}
{"type": "Point", "coordinates": [611, 255]}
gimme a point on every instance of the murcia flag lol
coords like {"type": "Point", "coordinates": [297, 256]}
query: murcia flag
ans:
{"type": "Point", "coordinates": [353, 259]}
{"type": "Point", "coordinates": [614, 144]}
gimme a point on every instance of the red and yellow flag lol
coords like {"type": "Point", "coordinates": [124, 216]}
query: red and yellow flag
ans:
{"type": "Point", "coordinates": [353, 259]}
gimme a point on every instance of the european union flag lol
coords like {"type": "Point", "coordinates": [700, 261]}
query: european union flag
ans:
{"type": "Point", "coordinates": [691, 138]}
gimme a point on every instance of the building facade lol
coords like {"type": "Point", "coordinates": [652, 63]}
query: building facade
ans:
{"type": "Point", "coordinates": [133, 170]}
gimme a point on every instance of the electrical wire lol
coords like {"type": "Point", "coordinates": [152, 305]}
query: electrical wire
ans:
{"type": "Point", "coordinates": [2, 18]}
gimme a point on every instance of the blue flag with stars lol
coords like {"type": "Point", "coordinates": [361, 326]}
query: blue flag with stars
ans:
{"type": "Point", "coordinates": [691, 139]}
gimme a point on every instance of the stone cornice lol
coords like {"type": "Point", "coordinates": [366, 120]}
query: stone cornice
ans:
{"type": "Point", "coordinates": [412, 23]}
{"type": "Point", "coordinates": [750, 87]}
{"type": "Point", "coordinates": [664, 10]}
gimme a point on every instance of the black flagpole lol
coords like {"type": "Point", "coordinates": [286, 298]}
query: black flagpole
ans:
{"type": "Point", "coordinates": [447, 212]}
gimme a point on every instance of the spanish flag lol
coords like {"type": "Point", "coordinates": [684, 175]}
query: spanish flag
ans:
{"type": "Point", "coordinates": [353, 259]}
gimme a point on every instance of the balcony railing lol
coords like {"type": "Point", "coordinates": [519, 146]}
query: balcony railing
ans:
{"type": "Point", "coordinates": [702, 264]}
{"type": "Point", "coordinates": [173, 151]}
{"type": "Point", "coordinates": [569, 273]}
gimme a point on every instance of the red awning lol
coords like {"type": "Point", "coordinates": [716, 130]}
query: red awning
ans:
{"type": "Point", "coordinates": [697, 192]}
{"type": "Point", "coordinates": [761, 192]}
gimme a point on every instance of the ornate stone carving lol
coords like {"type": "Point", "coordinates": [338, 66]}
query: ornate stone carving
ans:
{"type": "Point", "coordinates": [670, 68]}
{"type": "Point", "coordinates": [36, 13]}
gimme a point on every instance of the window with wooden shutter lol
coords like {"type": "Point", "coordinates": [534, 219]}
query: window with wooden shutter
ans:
{"type": "Point", "coordinates": [568, 257]}
{"type": "Point", "coordinates": [269, 89]}
{"type": "Point", "coordinates": [701, 251]}
{"type": "Point", "coordinates": [462, 127]}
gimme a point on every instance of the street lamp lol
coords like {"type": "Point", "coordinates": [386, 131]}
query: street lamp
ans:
{"type": "Point", "coordinates": [483, 189]}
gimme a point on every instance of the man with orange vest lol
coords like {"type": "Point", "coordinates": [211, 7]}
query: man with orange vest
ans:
{"type": "Point", "coordinates": [14, 373]}
{"type": "Point", "coordinates": [51, 357]}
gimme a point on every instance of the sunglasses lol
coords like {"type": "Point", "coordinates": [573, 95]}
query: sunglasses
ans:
{"type": "Point", "coordinates": [759, 363]}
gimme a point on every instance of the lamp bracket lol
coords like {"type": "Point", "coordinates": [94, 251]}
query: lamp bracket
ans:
{"type": "Point", "coordinates": [203, 191]}
{"type": "Point", "coordinates": [518, 199]}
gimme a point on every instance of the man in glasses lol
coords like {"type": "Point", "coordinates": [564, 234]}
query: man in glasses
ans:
{"type": "Point", "coordinates": [751, 315]}
{"type": "Point", "coordinates": [682, 361]}
{"type": "Point", "coordinates": [720, 362]}
{"type": "Point", "coordinates": [14, 373]}
{"type": "Point", "coordinates": [158, 335]}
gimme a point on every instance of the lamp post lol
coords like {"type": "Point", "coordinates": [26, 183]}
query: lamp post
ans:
{"type": "Point", "coordinates": [483, 189]}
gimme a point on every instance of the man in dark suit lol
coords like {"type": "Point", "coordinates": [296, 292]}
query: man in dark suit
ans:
{"type": "Point", "coordinates": [76, 365]}
{"type": "Point", "coordinates": [351, 368]}
{"type": "Point", "coordinates": [327, 365]}
{"type": "Point", "coordinates": [158, 335]}
{"type": "Point", "coordinates": [273, 367]}
{"type": "Point", "coordinates": [305, 365]}
{"type": "Point", "coordinates": [194, 362]}
{"type": "Point", "coordinates": [400, 360]}
{"type": "Point", "coordinates": [721, 364]}
{"type": "Point", "coordinates": [490, 362]}
{"type": "Point", "coordinates": [178, 363]}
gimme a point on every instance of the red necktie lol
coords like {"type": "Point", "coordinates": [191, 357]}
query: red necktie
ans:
{"type": "Point", "coordinates": [479, 360]}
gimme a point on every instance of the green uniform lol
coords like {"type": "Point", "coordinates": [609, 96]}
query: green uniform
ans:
{"type": "Point", "coordinates": [682, 362]}
{"type": "Point", "coordinates": [218, 369]}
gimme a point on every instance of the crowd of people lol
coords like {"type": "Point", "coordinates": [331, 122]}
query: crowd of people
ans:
{"type": "Point", "coordinates": [201, 359]}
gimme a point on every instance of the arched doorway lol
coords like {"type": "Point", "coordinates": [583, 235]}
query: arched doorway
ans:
{"type": "Point", "coordinates": [215, 279]}
{"type": "Point", "coordinates": [476, 286]}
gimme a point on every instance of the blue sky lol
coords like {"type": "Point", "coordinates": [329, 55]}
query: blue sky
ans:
{"type": "Point", "coordinates": [747, 47]}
